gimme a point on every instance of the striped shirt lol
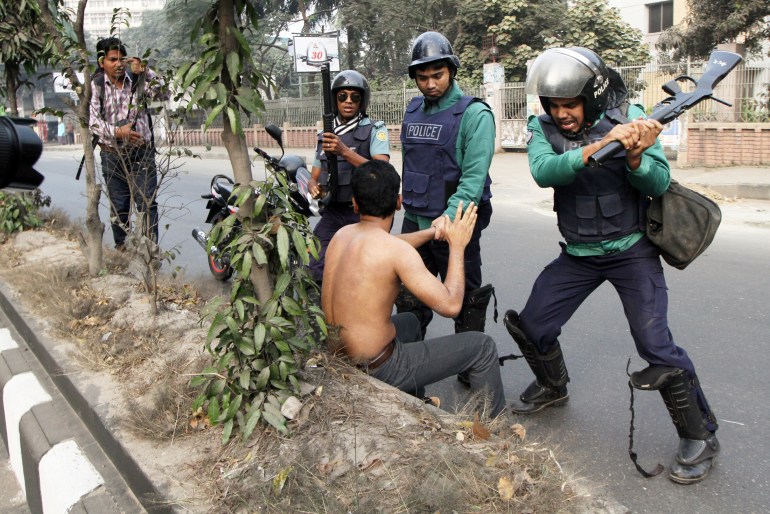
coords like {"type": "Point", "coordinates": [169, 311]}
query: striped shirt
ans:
{"type": "Point", "coordinates": [123, 104]}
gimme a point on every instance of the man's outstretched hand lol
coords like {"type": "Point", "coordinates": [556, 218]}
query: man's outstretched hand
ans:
{"type": "Point", "coordinates": [459, 232]}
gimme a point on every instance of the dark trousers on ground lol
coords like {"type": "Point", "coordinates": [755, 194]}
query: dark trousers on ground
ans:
{"type": "Point", "coordinates": [636, 275]}
{"type": "Point", "coordinates": [416, 364]}
{"type": "Point", "coordinates": [435, 255]}
{"type": "Point", "coordinates": [334, 217]}
{"type": "Point", "coordinates": [131, 176]}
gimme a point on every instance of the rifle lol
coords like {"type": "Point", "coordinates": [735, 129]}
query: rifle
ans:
{"type": "Point", "coordinates": [720, 63]}
{"type": "Point", "coordinates": [328, 122]}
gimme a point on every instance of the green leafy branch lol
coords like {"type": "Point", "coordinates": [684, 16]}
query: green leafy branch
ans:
{"type": "Point", "coordinates": [260, 347]}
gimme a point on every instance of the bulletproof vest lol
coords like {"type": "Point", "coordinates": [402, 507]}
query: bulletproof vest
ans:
{"type": "Point", "coordinates": [600, 204]}
{"type": "Point", "coordinates": [358, 141]}
{"type": "Point", "coordinates": [431, 171]}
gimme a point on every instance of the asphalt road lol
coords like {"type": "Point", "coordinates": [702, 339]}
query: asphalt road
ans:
{"type": "Point", "coordinates": [718, 313]}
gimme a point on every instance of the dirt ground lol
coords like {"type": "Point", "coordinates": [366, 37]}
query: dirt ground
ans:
{"type": "Point", "coordinates": [356, 445]}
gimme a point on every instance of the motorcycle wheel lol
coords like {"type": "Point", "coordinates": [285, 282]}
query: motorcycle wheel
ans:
{"type": "Point", "coordinates": [220, 270]}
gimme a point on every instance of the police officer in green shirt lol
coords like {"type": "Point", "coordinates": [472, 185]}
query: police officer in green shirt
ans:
{"type": "Point", "coordinates": [448, 140]}
{"type": "Point", "coordinates": [600, 213]}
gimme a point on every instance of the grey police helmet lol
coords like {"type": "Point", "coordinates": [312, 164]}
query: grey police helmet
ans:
{"type": "Point", "coordinates": [430, 47]}
{"type": "Point", "coordinates": [351, 79]}
{"type": "Point", "coordinates": [571, 73]}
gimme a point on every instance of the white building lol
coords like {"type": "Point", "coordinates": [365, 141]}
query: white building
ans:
{"type": "Point", "coordinates": [651, 16]}
{"type": "Point", "coordinates": [99, 13]}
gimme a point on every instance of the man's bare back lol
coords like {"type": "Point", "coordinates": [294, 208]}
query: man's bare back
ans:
{"type": "Point", "coordinates": [365, 266]}
{"type": "Point", "coordinates": [362, 308]}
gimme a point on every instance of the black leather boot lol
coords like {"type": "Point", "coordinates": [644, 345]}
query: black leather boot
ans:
{"type": "Point", "coordinates": [549, 389]}
{"type": "Point", "coordinates": [537, 397]}
{"type": "Point", "coordinates": [698, 447]}
{"type": "Point", "coordinates": [473, 317]}
{"type": "Point", "coordinates": [694, 460]}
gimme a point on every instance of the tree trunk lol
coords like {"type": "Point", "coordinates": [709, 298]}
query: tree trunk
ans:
{"type": "Point", "coordinates": [236, 147]}
{"type": "Point", "coordinates": [94, 225]}
{"type": "Point", "coordinates": [11, 85]}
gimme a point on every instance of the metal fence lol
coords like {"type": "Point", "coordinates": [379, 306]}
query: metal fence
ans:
{"type": "Point", "coordinates": [747, 88]}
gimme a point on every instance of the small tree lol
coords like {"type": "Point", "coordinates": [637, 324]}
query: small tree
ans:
{"type": "Point", "coordinates": [71, 52]}
{"type": "Point", "coordinates": [260, 334]}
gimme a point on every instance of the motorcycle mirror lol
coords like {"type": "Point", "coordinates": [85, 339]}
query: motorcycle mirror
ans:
{"type": "Point", "coordinates": [276, 133]}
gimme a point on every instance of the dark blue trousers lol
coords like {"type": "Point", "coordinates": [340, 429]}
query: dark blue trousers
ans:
{"type": "Point", "coordinates": [334, 217]}
{"type": "Point", "coordinates": [435, 255]}
{"type": "Point", "coordinates": [131, 177]}
{"type": "Point", "coordinates": [636, 275]}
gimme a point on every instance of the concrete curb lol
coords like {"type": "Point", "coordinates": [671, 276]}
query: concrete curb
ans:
{"type": "Point", "coordinates": [48, 463]}
{"type": "Point", "coordinates": [51, 469]}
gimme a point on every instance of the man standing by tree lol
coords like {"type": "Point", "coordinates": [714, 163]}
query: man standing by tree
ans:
{"type": "Point", "coordinates": [355, 140]}
{"type": "Point", "coordinates": [120, 119]}
{"type": "Point", "coordinates": [448, 140]}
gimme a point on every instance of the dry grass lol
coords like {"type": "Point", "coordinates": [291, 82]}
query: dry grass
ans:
{"type": "Point", "coordinates": [356, 446]}
{"type": "Point", "coordinates": [360, 448]}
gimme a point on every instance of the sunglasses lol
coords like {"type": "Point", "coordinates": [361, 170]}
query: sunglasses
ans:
{"type": "Point", "coordinates": [354, 97]}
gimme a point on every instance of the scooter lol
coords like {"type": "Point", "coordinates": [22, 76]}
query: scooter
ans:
{"type": "Point", "coordinates": [220, 201]}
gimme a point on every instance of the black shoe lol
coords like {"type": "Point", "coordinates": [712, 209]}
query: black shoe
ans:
{"type": "Point", "coordinates": [537, 397]}
{"type": "Point", "coordinates": [694, 460]}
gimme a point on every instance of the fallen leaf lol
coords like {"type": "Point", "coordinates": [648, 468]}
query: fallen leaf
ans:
{"type": "Point", "coordinates": [505, 488]}
{"type": "Point", "coordinates": [372, 464]}
{"type": "Point", "coordinates": [479, 430]}
{"type": "Point", "coordinates": [519, 431]}
{"type": "Point", "coordinates": [291, 407]}
{"type": "Point", "coordinates": [280, 480]}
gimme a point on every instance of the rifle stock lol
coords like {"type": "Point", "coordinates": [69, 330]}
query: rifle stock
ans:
{"type": "Point", "coordinates": [719, 65]}
{"type": "Point", "coordinates": [328, 124]}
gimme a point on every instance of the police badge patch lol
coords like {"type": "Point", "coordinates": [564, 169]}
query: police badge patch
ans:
{"type": "Point", "coordinates": [381, 136]}
{"type": "Point", "coordinates": [529, 136]}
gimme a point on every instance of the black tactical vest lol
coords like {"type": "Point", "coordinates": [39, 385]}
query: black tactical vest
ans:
{"type": "Point", "coordinates": [358, 141]}
{"type": "Point", "coordinates": [431, 171]}
{"type": "Point", "coordinates": [600, 204]}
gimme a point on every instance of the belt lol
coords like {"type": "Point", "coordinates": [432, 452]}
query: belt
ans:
{"type": "Point", "coordinates": [380, 359]}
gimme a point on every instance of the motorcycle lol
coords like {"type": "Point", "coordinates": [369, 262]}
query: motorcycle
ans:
{"type": "Point", "coordinates": [220, 200]}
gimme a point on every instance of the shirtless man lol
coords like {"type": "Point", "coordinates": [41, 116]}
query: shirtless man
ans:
{"type": "Point", "coordinates": [365, 266]}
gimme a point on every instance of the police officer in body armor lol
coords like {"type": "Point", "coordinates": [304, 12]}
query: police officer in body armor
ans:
{"type": "Point", "coordinates": [448, 140]}
{"type": "Point", "coordinates": [355, 139]}
{"type": "Point", "coordinates": [600, 214]}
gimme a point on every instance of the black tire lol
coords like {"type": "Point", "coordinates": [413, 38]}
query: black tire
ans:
{"type": "Point", "coordinates": [220, 270]}
{"type": "Point", "coordinates": [219, 267]}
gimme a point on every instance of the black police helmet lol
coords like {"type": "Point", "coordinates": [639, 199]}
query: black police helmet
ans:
{"type": "Point", "coordinates": [431, 47]}
{"type": "Point", "coordinates": [351, 79]}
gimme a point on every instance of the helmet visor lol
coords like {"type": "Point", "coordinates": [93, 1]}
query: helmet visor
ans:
{"type": "Point", "coordinates": [558, 74]}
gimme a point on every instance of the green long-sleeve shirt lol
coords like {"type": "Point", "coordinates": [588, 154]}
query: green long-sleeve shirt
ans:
{"type": "Point", "coordinates": [550, 169]}
{"type": "Point", "coordinates": [474, 149]}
